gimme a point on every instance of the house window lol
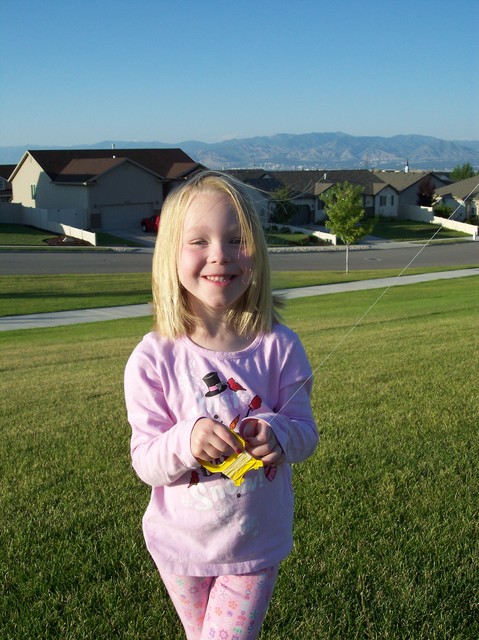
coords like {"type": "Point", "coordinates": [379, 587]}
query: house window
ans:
{"type": "Point", "coordinates": [33, 190]}
{"type": "Point", "coordinates": [382, 201]}
{"type": "Point", "coordinates": [392, 201]}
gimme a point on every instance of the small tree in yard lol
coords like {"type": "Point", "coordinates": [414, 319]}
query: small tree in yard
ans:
{"type": "Point", "coordinates": [345, 214]}
{"type": "Point", "coordinates": [284, 209]}
{"type": "Point", "coordinates": [426, 192]}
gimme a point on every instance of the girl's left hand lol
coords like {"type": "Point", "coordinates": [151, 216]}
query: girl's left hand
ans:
{"type": "Point", "coordinates": [261, 442]}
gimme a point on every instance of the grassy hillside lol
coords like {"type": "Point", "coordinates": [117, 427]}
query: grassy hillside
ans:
{"type": "Point", "coordinates": [386, 510]}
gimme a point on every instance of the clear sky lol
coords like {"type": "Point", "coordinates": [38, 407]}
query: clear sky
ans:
{"type": "Point", "coordinates": [83, 71]}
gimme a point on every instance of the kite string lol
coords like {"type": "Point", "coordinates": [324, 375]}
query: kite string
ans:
{"type": "Point", "coordinates": [370, 308]}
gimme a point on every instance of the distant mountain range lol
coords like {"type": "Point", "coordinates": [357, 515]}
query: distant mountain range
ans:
{"type": "Point", "coordinates": [306, 151]}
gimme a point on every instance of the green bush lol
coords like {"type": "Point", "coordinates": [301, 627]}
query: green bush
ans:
{"type": "Point", "coordinates": [442, 210]}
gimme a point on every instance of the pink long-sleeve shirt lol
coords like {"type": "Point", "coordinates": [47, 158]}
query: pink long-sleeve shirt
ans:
{"type": "Point", "coordinates": [198, 523]}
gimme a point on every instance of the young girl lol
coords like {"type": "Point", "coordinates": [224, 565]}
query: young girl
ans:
{"type": "Point", "coordinates": [218, 363]}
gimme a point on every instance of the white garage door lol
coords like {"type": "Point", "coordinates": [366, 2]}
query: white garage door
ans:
{"type": "Point", "coordinates": [124, 216]}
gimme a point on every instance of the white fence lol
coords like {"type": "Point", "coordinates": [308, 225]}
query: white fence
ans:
{"type": "Point", "coordinates": [11, 213]}
{"type": "Point", "coordinates": [47, 219]}
{"type": "Point", "coordinates": [324, 235]}
{"type": "Point", "coordinates": [426, 214]}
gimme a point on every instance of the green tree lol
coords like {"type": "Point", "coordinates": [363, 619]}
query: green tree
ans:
{"type": "Point", "coordinates": [284, 209]}
{"type": "Point", "coordinates": [345, 215]}
{"type": "Point", "coordinates": [462, 172]}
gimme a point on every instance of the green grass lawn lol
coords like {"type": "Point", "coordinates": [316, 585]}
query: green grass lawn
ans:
{"type": "Point", "coordinates": [276, 239]}
{"type": "Point", "coordinates": [46, 293]}
{"type": "Point", "coordinates": [15, 235]}
{"type": "Point", "coordinates": [408, 230]}
{"type": "Point", "coordinates": [386, 529]}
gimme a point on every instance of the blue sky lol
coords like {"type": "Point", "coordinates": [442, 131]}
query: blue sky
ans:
{"type": "Point", "coordinates": [175, 70]}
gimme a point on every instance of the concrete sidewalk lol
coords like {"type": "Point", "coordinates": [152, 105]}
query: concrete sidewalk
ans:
{"type": "Point", "coordinates": [80, 316]}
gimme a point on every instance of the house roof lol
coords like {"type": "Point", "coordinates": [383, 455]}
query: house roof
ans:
{"type": "Point", "coordinates": [58, 164]}
{"type": "Point", "coordinates": [302, 183]}
{"type": "Point", "coordinates": [401, 180]}
{"type": "Point", "coordinates": [82, 170]}
{"type": "Point", "coordinates": [247, 175]}
{"type": "Point", "coordinates": [310, 183]}
{"type": "Point", "coordinates": [461, 190]}
{"type": "Point", "coordinates": [6, 170]}
{"type": "Point", "coordinates": [257, 178]}
{"type": "Point", "coordinates": [183, 169]}
{"type": "Point", "coordinates": [369, 181]}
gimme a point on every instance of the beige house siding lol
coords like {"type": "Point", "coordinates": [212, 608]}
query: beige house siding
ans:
{"type": "Point", "coordinates": [25, 182]}
{"type": "Point", "coordinates": [408, 193]}
{"type": "Point", "coordinates": [116, 196]}
{"type": "Point", "coordinates": [386, 203]}
{"type": "Point", "coordinates": [262, 203]}
{"type": "Point", "coordinates": [33, 188]}
{"type": "Point", "coordinates": [462, 210]}
{"type": "Point", "coordinates": [60, 196]}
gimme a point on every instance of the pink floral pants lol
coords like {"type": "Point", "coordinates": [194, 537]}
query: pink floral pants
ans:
{"type": "Point", "coordinates": [222, 607]}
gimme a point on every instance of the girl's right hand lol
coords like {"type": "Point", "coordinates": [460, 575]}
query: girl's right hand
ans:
{"type": "Point", "coordinates": [211, 440]}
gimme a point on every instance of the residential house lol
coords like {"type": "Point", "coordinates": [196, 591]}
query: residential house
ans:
{"type": "Point", "coordinates": [107, 189]}
{"type": "Point", "coordinates": [306, 188]}
{"type": "Point", "coordinates": [463, 198]}
{"type": "Point", "coordinates": [266, 183]}
{"type": "Point", "coordinates": [379, 197]}
{"type": "Point", "coordinates": [6, 171]}
{"type": "Point", "coordinates": [406, 183]}
{"type": "Point", "coordinates": [263, 185]}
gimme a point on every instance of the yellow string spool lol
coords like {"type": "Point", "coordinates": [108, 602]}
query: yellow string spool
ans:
{"type": "Point", "coordinates": [236, 466]}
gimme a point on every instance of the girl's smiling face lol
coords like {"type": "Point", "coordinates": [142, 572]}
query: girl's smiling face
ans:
{"type": "Point", "coordinates": [214, 267]}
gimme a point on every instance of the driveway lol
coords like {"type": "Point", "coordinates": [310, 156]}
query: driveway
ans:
{"type": "Point", "coordinates": [136, 235]}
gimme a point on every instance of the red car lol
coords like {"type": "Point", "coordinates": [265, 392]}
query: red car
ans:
{"type": "Point", "coordinates": [151, 223]}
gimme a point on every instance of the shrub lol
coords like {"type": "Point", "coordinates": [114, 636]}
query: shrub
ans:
{"type": "Point", "coordinates": [442, 210]}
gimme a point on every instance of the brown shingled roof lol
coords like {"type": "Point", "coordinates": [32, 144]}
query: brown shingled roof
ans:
{"type": "Point", "coordinates": [306, 183]}
{"type": "Point", "coordinates": [80, 170]}
{"type": "Point", "coordinates": [370, 182]}
{"type": "Point", "coordinates": [463, 189]}
{"type": "Point", "coordinates": [6, 170]}
{"type": "Point", "coordinates": [166, 163]}
{"type": "Point", "coordinates": [401, 180]}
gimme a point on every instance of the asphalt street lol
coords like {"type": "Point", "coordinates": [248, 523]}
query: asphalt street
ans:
{"type": "Point", "coordinates": [373, 256]}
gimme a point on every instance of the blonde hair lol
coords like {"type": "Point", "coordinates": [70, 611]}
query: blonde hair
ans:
{"type": "Point", "coordinates": [254, 311]}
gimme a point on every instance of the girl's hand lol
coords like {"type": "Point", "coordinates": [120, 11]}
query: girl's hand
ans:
{"type": "Point", "coordinates": [211, 440]}
{"type": "Point", "coordinates": [261, 442]}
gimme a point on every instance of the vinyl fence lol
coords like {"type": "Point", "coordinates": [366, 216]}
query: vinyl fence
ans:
{"type": "Point", "coordinates": [48, 219]}
{"type": "Point", "coordinates": [426, 214]}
